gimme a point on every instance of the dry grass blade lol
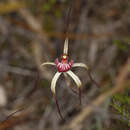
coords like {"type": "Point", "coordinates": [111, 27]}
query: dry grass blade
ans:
{"type": "Point", "coordinates": [7, 118]}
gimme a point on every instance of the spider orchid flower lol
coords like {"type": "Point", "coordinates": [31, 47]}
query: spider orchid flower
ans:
{"type": "Point", "coordinates": [64, 67]}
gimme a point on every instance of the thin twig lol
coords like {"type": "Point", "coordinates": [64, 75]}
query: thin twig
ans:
{"type": "Point", "coordinates": [7, 118]}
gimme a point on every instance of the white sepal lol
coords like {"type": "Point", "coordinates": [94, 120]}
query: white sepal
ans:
{"type": "Point", "coordinates": [80, 65]}
{"type": "Point", "coordinates": [75, 78]}
{"type": "Point", "coordinates": [54, 80]}
{"type": "Point", "coordinates": [65, 50]}
{"type": "Point", "coordinates": [47, 63]}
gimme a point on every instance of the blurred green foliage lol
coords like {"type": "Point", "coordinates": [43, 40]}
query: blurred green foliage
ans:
{"type": "Point", "coordinates": [121, 103]}
{"type": "Point", "coordinates": [50, 7]}
{"type": "Point", "coordinates": [121, 45]}
{"type": "Point", "coordinates": [47, 6]}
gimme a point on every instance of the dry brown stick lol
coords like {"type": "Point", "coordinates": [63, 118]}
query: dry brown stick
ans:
{"type": "Point", "coordinates": [16, 120]}
{"type": "Point", "coordinates": [120, 81]}
{"type": "Point", "coordinates": [61, 35]}
{"type": "Point", "coordinates": [12, 122]}
{"type": "Point", "coordinates": [78, 36]}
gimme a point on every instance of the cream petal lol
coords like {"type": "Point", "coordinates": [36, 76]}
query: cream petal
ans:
{"type": "Point", "coordinates": [47, 63]}
{"type": "Point", "coordinates": [75, 78]}
{"type": "Point", "coordinates": [65, 51]}
{"type": "Point", "coordinates": [80, 65]}
{"type": "Point", "coordinates": [54, 80]}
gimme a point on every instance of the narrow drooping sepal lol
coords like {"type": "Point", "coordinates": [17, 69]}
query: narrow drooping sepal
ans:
{"type": "Point", "coordinates": [80, 95]}
{"type": "Point", "coordinates": [65, 50]}
{"type": "Point", "coordinates": [53, 82]}
{"type": "Point", "coordinates": [75, 78]}
{"type": "Point", "coordinates": [58, 107]}
{"type": "Point", "coordinates": [47, 63]}
{"type": "Point", "coordinates": [91, 78]}
{"type": "Point", "coordinates": [88, 70]}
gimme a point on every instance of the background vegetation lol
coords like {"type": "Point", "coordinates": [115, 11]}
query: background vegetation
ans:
{"type": "Point", "coordinates": [32, 32]}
